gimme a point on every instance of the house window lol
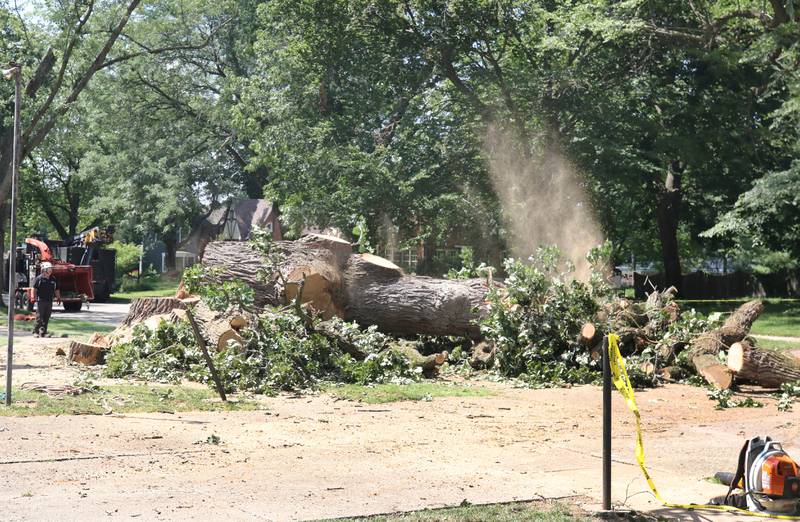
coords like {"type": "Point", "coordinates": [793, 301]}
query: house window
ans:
{"type": "Point", "coordinates": [408, 257]}
{"type": "Point", "coordinates": [447, 254]}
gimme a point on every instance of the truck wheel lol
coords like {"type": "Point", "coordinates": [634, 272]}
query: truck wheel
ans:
{"type": "Point", "coordinates": [73, 307]}
{"type": "Point", "coordinates": [26, 303]}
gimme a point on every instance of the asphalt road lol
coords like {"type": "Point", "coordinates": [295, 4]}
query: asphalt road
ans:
{"type": "Point", "coordinates": [105, 313]}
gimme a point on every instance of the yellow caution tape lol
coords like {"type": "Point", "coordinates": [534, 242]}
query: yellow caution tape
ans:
{"type": "Point", "coordinates": [619, 376]}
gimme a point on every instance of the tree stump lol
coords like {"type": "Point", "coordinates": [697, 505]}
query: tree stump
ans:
{"type": "Point", "coordinates": [88, 354]}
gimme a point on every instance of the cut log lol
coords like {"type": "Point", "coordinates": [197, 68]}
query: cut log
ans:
{"type": "Point", "coordinates": [154, 321]}
{"type": "Point", "coordinates": [716, 373]}
{"type": "Point", "coordinates": [589, 335]}
{"type": "Point", "coordinates": [177, 315]}
{"type": "Point", "coordinates": [670, 373]}
{"type": "Point", "coordinates": [238, 321]}
{"type": "Point", "coordinates": [88, 354]}
{"type": "Point", "coordinates": [768, 368]}
{"type": "Point", "coordinates": [706, 346]}
{"type": "Point", "coordinates": [317, 259]}
{"type": "Point", "coordinates": [429, 363]}
{"type": "Point", "coordinates": [145, 307]}
{"type": "Point", "coordinates": [483, 355]}
{"type": "Point", "coordinates": [378, 293]}
{"type": "Point", "coordinates": [215, 327]}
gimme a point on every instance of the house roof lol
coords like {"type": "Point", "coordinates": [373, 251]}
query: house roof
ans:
{"type": "Point", "coordinates": [243, 215]}
{"type": "Point", "coordinates": [247, 214]}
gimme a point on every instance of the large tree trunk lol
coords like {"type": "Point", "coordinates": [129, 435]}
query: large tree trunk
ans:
{"type": "Point", "coordinates": [707, 346]}
{"type": "Point", "coordinates": [769, 368]}
{"type": "Point", "coordinates": [170, 252]}
{"type": "Point", "coordinates": [3, 262]}
{"type": "Point", "coordinates": [668, 215]}
{"type": "Point", "coordinates": [359, 287]}
{"type": "Point", "coordinates": [377, 292]}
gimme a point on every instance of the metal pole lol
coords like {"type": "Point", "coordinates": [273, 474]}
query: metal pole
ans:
{"type": "Point", "coordinates": [606, 427]}
{"type": "Point", "coordinates": [12, 252]}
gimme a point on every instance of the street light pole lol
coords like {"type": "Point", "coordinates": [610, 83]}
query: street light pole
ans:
{"type": "Point", "coordinates": [14, 72]}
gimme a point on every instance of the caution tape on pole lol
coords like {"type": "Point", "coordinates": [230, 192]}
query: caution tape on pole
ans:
{"type": "Point", "coordinates": [619, 376]}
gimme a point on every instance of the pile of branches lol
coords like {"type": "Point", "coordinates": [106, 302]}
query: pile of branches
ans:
{"type": "Point", "coordinates": [288, 315]}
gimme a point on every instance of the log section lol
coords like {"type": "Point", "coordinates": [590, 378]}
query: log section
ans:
{"type": "Point", "coordinates": [769, 368]}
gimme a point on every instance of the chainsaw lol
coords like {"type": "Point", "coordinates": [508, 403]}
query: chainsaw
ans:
{"type": "Point", "coordinates": [768, 477]}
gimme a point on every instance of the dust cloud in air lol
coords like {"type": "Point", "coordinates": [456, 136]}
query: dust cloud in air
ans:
{"type": "Point", "coordinates": [542, 199]}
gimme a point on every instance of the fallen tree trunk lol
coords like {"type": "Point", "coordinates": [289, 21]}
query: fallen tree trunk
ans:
{"type": "Point", "coordinates": [768, 368]}
{"type": "Point", "coordinates": [706, 347]}
{"type": "Point", "coordinates": [377, 292]}
{"type": "Point", "coordinates": [314, 258]}
{"type": "Point", "coordinates": [355, 287]}
{"type": "Point", "coordinates": [146, 307]}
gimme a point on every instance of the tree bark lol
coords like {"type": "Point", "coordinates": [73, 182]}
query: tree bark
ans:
{"type": "Point", "coordinates": [706, 346]}
{"type": "Point", "coordinates": [145, 307]}
{"type": "Point", "coordinates": [3, 264]}
{"type": "Point", "coordinates": [668, 215]}
{"type": "Point", "coordinates": [356, 287]}
{"type": "Point", "coordinates": [170, 252]}
{"type": "Point", "coordinates": [768, 368]}
{"type": "Point", "coordinates": [379, 294]}
{"type": "Point", "coordinates": [215, 326]}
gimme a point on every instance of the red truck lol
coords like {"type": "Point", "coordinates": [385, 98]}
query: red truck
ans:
{"type": "Point", "coordinates": [74, 281]}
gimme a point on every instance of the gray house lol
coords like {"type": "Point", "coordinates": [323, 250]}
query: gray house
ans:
{"type": "Point", "coordinates": [232, 222]}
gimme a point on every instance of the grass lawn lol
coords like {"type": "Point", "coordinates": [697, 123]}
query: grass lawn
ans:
{"type": "Point", "coordinates": [518, 511]}
{"type": "Point", "coordinates": [780, 317]}
{"type": "Point", "coordinates": [778, 345]}
{"type": "Point", "coordinates": [165, 286]}
{"type": "Point", "coordinates": [125, 398]}
{"type": "Point", "coordinates": [382, 393]}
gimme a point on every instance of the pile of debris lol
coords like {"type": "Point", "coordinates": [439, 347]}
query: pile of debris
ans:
{"type": "Point", "coordinates": [321, 281]}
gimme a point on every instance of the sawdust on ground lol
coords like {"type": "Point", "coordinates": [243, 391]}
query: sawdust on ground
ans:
{"type": "Point", "coordinates": [307, 457]}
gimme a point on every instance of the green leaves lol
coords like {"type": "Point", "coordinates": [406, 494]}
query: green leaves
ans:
{"type": "Point", "coordinates": [535, 320]}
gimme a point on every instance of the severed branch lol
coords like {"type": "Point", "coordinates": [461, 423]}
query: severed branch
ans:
{"type": "Point", "coordinates": [202, 343]}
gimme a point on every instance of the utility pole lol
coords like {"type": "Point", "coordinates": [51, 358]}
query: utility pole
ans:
{"type": "Point", "coordinates": [14, 71]}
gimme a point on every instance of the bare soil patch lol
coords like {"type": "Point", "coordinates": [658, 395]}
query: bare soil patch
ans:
{"type": "Point", "coordinates": [311, 457]}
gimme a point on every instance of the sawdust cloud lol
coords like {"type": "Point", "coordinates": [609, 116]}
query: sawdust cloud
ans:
{"type": "Point", "coordinates": [543, 201]}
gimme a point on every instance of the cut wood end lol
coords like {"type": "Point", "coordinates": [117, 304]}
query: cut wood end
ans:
{"type": "Point", "coordinates": [332, 239]}
{"type": "Point", "coordinates": [736, 357]}
{"type": "Point", "coordinates": [228, 335]}
{"type": "Point", "coordinates": [380, 261]}
{"type": "Point", "coordinates": [588, 331]}
{"type": "Point", "coordinates": [441, 358]}
{"type": "Point", "coordinates": [719, 376]}
{"type": "Point", "coordinates": [238, 321]}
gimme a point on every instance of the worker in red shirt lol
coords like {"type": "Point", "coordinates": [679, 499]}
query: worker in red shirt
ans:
{"type": "Point", "coordinates": [44, 290]}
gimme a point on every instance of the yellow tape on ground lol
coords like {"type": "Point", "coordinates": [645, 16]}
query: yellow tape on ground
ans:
{"type": "Point", "coordinates": [619, 376]}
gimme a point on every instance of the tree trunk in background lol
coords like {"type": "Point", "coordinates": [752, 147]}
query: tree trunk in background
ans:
{"type": "Point", "coordinates": [669, 205]}
{"type": "Point", "coordinates": [171, 247]}
{"type": "Point", "coordinates": [3, 209]}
